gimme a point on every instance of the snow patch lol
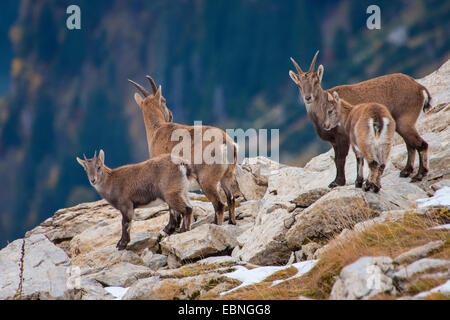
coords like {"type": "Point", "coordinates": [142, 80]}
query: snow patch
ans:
{"type": "Point", "coordinates": [444, 226]}
{"type": "Point", "coordinates": [252, 276]}
{"type": "Point", "coordinates": [440, 198]}
{"type": "Point", "coordinates": [117, 292]}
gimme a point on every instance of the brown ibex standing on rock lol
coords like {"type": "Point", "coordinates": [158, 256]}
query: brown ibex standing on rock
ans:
{"type": "Point", "coordinates": [144, 184]}
{"type": "Point", "coordinates": [162, 138]}
{"type": "Point", "coordinates": [370, 128]}
{"type": "Point", "coordinates": [401, 94]}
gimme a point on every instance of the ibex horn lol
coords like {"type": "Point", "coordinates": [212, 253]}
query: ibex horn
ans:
{"type": "Point", "coordinates": [313, 63]}
{"type": "Point", "coordinates": [95, 154]}
{"type": "Point", "coordinates": [84, 157]}
{"type": "Point", "coordinates": [297, 67]}
{"type": "Point", "coordinates": [152, 83]}
{"type": "Point", "coordinates": [140, 88]}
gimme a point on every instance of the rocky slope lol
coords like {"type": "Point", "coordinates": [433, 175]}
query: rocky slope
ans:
{"type": "Point", "coordinates": [339, 244]}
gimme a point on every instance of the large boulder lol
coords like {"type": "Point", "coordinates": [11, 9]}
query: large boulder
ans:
{"type": "Point", "coordinates": [339, 209]}
{"type": "Point", "coordinates": [98, 216]}
{"type": "Point", "coordinates": [264, 243]}
{"type": "Point", "coordinates": [107, 233]}
{"type": "Point", "coordinates": [252, 176]}
{"type": "Point", "coordinates": [363, 279]}
{"type": "Point", "coordinates": [34, 268]}
{"type": "Point", "coordinates": [121, 275]}
{"type": "Point", "coordinates": [203, 241]}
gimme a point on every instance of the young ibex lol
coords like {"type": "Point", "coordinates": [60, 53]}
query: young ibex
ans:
{"type": "Point", "coordinates": [145, 184]}
{"type": "Point", "coordinates": [163, 137]}
{"type": "Point", "coordinates": [401, 94]}
{"type": "Point", "coordinates": [370, 128]}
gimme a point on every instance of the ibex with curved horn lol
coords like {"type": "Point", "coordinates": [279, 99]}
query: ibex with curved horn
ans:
{"type": "Point", "coordinates": [163, 137]}
{"type": "Point", "coordinates": [401, 94]}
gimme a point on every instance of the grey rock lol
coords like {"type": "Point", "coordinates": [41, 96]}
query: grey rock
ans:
{"type": "Point", "coordinates": [419, 252]}
{"type": "Point", "coordinates": [203, 241]}
{"type": "Point", "coordinates": [363, 279]}
{"type": "Point", "coordinates": [265, 243]}
{"type": "Point", "coordinates": [173, 262]}
{"type": "Point", "coordinates": [156, 261]}
{"type": "Point", "coordinates": [143, 240]}
{"type": "Point", "coordinates": [339, 209]}
{"type": "Point", "coordinates": [93, 290]}
{"type": "Point", "coordinates": [122, 275]}
{"type": "Point", "coordinates": [248, 209]}
{"type": "Point", "coordinates": [420, 266]}
{"type": "Point", "coordinates": [440, 184]}
{"type": "Point", "coordinates": [218, 260]}
{"type": "Point", "coordinates": [171, 288]}
{"type": "Point", "coordinates": [140, 289]}
{"type": "Point", "coordinates": [45, 273]}
{"type": "Point", "coordinates": [307, 198]}
{"type": "Point", "coordinates": [307, 251]}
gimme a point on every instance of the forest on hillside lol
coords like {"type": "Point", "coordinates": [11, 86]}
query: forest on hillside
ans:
{"type": "Point", "coordinates": [65, 92]}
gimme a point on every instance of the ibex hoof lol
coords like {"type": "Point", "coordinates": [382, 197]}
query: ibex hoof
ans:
{"type": "Point", "coordinates": [376, 188]}
{"type": "Point", "coordinates": [417, 177]}
{"type": "Point", "coordinates": [121, 245]}
{"type": "Point", "coordinates": [405, 172]}
{"type": "Point", "coordinates": [332, 185]}
{"type": "Point", "coordinates": [169, 230]}
{"type": "Point", "coordinates": [336, 183]}
{"type": "Point", "coordinates": [367, 186]}
{"type": "Point", "coordinates": [358, 183]}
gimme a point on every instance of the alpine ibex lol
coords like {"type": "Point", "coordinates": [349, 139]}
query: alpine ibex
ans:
{"type": "Point", "coordinates": [401, 94]}
{"type": "Point", "coordinates": [370, 128]}
{"type": "Point", "coordinates": [144, 184]}
{"type": "Point", "coordinates": [164, 136]}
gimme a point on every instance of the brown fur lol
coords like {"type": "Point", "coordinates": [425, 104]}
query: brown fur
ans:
{"type": "Point", "coordinates": [136, 185]}
{"type": "Point", "coordinates": [402, 95]}
{"type": "Point", "coordinates": [159, 137]}
{"type": "Point", "coordinates": [370, 128]}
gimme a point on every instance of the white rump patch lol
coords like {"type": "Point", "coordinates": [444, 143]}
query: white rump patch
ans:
{"type": "Point", "coordinates": [378, 145]}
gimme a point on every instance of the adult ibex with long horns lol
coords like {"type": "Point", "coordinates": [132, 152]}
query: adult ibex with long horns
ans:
{"type": "Point", "coordinates": [163, 136]}
{"type": "Point", "coordinates": [401, 94]}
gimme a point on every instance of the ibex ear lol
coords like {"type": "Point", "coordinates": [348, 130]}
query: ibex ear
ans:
{"type": "Point", "coordinates": [293, 76]}
{"type": "Point", "coordinates": [138, 98]}
{"type": "Point", "coordinates": [82, 163]}
{"type": "Point", "coordinates": [336, 96]}
{"type": "Point", "coordinates": [101, 156]}
{"type": "Point", "coordinates": [320, 72]}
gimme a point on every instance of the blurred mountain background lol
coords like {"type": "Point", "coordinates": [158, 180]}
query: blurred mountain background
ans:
{"type": "Point", "coordinates": [225, 62]}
